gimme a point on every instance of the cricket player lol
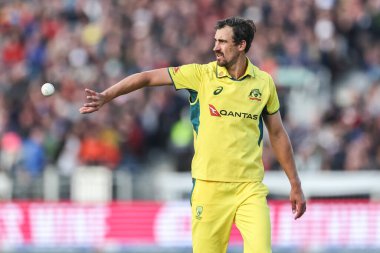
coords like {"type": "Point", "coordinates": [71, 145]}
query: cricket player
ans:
{"type": "Point", "coordinates": [230, 101]}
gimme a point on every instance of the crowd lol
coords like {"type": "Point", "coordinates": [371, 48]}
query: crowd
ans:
{"type": "Point", "coordinates": [94, 43]}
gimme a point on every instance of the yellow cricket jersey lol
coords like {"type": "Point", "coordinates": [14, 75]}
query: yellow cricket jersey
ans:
{"type": "Point", "coordinates": [227, 119]}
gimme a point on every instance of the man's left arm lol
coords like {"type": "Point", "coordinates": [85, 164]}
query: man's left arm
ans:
{"type": "Point", "coordinates": [284, 152]}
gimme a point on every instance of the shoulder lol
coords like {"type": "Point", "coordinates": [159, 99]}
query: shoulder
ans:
{"type": "Point", "coordinates": [207, 70]}
{"type": "Point", "coordinates": [208, 67]}
{"type": "Point", "coordinates": [262, 75]}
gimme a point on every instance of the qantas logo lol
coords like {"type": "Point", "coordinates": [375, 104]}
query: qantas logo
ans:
{"type": "Point", "coordinates": [227, 113]}
{"type": "Point", "coordinates": [213, 111]}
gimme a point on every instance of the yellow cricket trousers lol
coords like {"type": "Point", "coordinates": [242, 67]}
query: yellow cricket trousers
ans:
{"type": "Point", "coordinates": [217, 205]}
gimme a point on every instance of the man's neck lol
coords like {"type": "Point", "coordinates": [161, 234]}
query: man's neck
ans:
{"type": "Point", "coordinates": [238, 69]}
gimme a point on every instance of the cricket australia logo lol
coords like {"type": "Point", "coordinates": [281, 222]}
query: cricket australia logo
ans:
{"type": "Point", "coordinates": [255, 94]}
{"type": "Point", "coordinates": [198, 212]}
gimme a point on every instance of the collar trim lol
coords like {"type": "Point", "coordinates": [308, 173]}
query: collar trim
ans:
{"type": "Point", "coordinates": [222, 71]}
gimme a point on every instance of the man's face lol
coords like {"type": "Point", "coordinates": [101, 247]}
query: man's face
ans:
{"type": "Point", "coordinates": [226, 51]}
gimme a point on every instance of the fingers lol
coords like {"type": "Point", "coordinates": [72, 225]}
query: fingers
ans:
{"type": "Point", "coordinates": [300, 209]}
{"type": "Point", "coordinates": [298, 202]}
{"type": "Point", "coordinates": [294, 207]}
{"type": "Point", "coordinates": [91, 95]}
{"type": "Point", "coordinates": [89, 107]}
{"type": "Point", "coordinates": [92, 103]}
{"type": "Point", "coordinates": [84, 110]}
{"type": "Point", "coordinates": [90, 92]}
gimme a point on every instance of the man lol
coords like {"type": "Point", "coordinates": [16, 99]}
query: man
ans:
{"type": "Point", "coordinates": [229, 100]}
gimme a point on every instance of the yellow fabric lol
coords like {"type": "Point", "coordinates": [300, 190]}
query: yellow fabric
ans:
{"type": "Point", "coordinates": [226, 116]}
{"type": "Point", "coordinates": [217, 205]}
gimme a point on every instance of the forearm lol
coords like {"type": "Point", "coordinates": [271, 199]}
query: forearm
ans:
{"type": "Point", "coordinates": [156, 77]}
{"type": "Point", "coordinates": [284, 152]}
{"type": "Point", "coordinates": [125, 86]}
{"type": "Point", "coordinates": [95, 100]}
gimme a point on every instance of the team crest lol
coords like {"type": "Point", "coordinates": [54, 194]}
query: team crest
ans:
{"type": "Point", "coordinates": [198, 210]}
{"type": "Point", "coordinates": [255, 94]}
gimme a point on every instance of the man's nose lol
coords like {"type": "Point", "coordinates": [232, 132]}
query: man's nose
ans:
{"type": "Point", "coordinates": [216, 47]}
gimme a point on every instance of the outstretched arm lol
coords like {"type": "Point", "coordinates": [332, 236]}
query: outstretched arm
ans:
{"type": "Point", "coordinates": [95, 100]}
{"type": "Point", "coordinates": [284, 153]}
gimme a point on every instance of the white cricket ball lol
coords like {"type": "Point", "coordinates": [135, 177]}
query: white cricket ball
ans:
{"type": "Point", "coordinates": [47, 89]}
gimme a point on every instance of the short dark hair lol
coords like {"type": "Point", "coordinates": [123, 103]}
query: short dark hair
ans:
{"type": "Point", "coordinates": [243, 29]}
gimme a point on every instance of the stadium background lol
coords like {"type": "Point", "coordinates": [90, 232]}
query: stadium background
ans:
{"type": "Point", "coordinates": [118, 180]}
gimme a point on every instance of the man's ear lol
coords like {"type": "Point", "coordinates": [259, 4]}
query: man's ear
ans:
{"type": "Point", "coordinates": [242, 45]}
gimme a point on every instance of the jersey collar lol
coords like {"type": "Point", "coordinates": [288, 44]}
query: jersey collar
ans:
{"type": "Point", "coordinates": [222, 71]}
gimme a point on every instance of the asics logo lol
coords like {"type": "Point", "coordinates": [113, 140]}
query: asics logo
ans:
{"type": "Point", "coordinates": [218, 90]}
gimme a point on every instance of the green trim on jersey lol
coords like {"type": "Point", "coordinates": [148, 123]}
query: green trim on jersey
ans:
{"type": "Point", "coordinates": [172, 79]}
{"type": "Point", "coordinates": [272, 112]}
{"type": "Point", "coordinates": [261, 130]}
{"type": "Point", "coordinates": [194, 109]}
{"type": "Point", "coordinates": [192, 191]}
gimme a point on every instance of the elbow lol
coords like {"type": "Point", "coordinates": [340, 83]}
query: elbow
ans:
{"type": "Point", "coordinates": [280, 135]}
{"type": "Point", "coordinates": [144, 79]}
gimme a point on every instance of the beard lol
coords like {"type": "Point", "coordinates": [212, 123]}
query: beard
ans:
{"type": "Point", "coordinates": [221, 61]}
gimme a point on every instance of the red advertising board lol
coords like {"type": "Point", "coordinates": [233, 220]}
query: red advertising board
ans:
{"type": "Point", "coordinates": [326, 223]}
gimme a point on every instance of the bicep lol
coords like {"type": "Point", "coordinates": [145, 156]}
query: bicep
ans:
{"type": "Point", "coordinates": [158, 77]}
{"type": "Point", "coordinates": [273, 123]}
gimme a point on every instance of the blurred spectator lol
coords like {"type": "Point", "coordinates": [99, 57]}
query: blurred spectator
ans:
{"type": "Point", "coordinates": [10, 151]}
{"type": "Point", "coordinates": [33, 155]}
{"type": "Point", "coordinates": [28, 176]}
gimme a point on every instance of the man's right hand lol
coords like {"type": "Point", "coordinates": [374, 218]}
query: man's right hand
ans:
{"type": "Point", "coordinates": [94, 101]}
{"type": "Point", "coordinates": [297, 199]}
